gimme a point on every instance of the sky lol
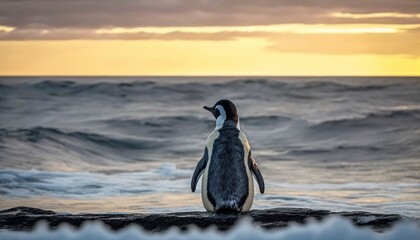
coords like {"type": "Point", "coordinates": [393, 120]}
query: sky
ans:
{"type": "Point", "coordinates": [210, 37]}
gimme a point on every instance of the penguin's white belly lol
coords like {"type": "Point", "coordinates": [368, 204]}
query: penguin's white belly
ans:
{"type": "Point", "coordinates": [206, 202]}
{"type": "Point", "coordinates": [249, 200]}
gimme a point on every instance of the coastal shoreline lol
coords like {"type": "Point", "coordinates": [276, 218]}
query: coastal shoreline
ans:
{"type": "Point", "coordinates": [26, 218]}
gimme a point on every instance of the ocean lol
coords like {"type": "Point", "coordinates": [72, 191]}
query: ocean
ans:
{"type": "Point", "coordinates": [130, 144]}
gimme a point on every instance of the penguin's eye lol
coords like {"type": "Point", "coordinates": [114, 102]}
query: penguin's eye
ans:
{"type": "Point", "coordinates": [216, 113]}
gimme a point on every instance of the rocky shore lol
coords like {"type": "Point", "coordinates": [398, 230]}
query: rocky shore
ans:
{"type": "Point", "coordinates": [26, 218]}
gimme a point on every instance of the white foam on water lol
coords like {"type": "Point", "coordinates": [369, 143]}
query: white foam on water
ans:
{"type": "Point", "coordinates": [30, 183]}
{"type": "Point", "coordinates": [330, 229]}
{"type": "Point", "coordinates": [164, 178]}
{"type": "Point", "coordinates": [166, 188]}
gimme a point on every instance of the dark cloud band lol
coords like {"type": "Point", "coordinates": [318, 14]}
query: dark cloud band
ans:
{"type": "Point", "coordinates": [90, 14]}
{"type": "Point", "coordinates": [404, 43]}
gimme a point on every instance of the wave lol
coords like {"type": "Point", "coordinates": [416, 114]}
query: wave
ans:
{"type": "Point", "coordinates": [353, 153]}
{"type": "Point", "coordinates": [72, 84]}
{"type": "Point", "coordinates": [265, 120]}
{"type": "Point", "coordinates": [38, 134]}
{"type": "Point", "coordinates": [311, 85]}
{"type": "Point", "coordinates": [336, 149]}
{"type": "Point", "coordinates": [330, 228]}
{"type": "Point", "coordinates": [187, 125]}
{"type": "Point", "coordinates": [371, 119]}
{"type": "Point", "coordinates": [157, 122]}
{"type": "Point", "coordinates": [30, 183]}
{"type": "Point", "coordinates": [73, 87]}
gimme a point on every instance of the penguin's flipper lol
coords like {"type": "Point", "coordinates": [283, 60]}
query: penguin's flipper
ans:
{"type": "Point", "coordinates": [253, 166]}
{"type": "Point", "coordinates": [199, 169]}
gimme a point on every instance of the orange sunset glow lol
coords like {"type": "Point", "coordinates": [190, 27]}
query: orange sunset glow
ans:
{"type": "Point", "coordinates": [210, 38]}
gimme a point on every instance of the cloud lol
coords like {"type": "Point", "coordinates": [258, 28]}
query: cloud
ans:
{"type": "Point", "coordinates": [90, 14]}
{"type": "Point", "coordinates": [323, 41]}
{"type": "Point", "coordinates": [74, 34]}
{"type": "Point", "coordinates": [196, 33]}
{"type": "Point", "coordinates": [279, 22]}
{"type": "Point", "coordinates": [375, 15]}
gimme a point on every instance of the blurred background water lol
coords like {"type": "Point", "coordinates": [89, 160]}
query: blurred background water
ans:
{"type": "Point", "coordinates": [130, 144]}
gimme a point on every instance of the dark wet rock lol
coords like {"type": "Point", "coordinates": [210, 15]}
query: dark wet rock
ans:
{"type": "Point", "coordinates": [25, 218]}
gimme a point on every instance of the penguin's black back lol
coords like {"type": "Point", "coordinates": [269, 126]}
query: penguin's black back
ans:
{"type": "Point", "coordinates": [227, 181]}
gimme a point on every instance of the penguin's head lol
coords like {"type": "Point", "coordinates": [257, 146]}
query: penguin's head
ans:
{"type": "Point", "coordinates": [223, 111]}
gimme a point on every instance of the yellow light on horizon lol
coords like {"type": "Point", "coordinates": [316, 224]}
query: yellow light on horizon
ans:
{"type": "Point", "coordinates": [348, 30]}
{"type": "Point", "coordinates": [279, 28]}
{"type": "Point", "coordinates": [375, 15]}
{"type": "Point", "coordinates": [6, 29]}
{"type": "Point", "coordinates": [156, 57]}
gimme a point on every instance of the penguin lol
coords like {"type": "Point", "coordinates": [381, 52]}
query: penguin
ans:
{"type": "Point", "coordinates": [227, 165]}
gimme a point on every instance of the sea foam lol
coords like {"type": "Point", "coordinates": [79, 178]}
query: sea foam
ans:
{"type": "Point", "coordinates": [331, 228]}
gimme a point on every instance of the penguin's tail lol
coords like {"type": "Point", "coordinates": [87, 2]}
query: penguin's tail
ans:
{"type": "Point", "coordinates": [227, 207]}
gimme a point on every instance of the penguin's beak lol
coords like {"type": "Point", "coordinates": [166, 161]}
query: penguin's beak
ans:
{"type": "Point", "coordinates": [213, 111]}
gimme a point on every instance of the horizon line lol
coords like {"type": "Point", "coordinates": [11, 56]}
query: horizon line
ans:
{"type": "Point", "coordinates": [215, 76]}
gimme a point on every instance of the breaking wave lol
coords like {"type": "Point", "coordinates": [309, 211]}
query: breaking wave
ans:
{"type": "Point", "coordinates": [331, 228]}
